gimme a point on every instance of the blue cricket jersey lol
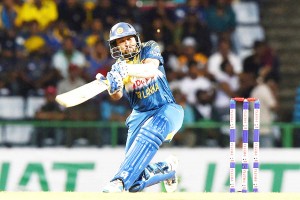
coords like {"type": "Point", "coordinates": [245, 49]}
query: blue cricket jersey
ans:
{"type": "Point", "coordinates": [145, 94]}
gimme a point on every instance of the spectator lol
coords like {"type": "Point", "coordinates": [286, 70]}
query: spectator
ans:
{"type": "Point", "coordinates": [192, 82]}
{"type": "Point", "coordinates": [221, 20]}
{"type": "Point", "coordinates": [191, 6]}
{"type": "Point", "coordinates": [94, 34]}
{"type": "Point", "coordinates": [35, 73]}
{"type": "Point", "coordinates": [8, 62]}
{"type": "Point", "coordinates": [263, 62]}
{"type": "Point", "coordinates": [89, 6]}
{"type": "Point", "coordinates": [72, 81]}
{"type": "Point", "coordinates": [106, 11]}
{"type": "Point", "coordinates": [56, 35]}
{"type": "Point", "coordinates": [193, 27]}
{"type": "Point", "coordinates": [33, 39]}
{"type": "Point", "coordinates": [162, 11]}
{"type": "Point", "coordinates": [8, 44]}
{"type": "Point", "coordinates": [130, 10]}
{"type": "Point", "coordinates": [43, 11]}
{"type": "Point", "coordinates": [73, 14]}
{"type": "Point", "coordinates": [49, 136]}
{"type": "Point", "coordinates": [224, 53]}
{"type": "Point", "coordinates": [247, 81]}
{"type": "Point", "coordinates": [268, 107]}
{"type": "Point", "coordinates": [271, 59]}
{"type": "Point", "coordinates": [227, 87]}
{"type": "Point", "coordinates": [204, 105]}
{"type": "Point", "coordinates": [99, 60]}
{"type": "Point", "coordinates": [205, 111]}
{"type": "Point", "coordinates": [179, 63]}
{"type": "Point", "coordinates": [8, 81]}
{"type": "Point", "coordinates": [66, 56]}
{"type": "Point", "coordinates": [9, 11]}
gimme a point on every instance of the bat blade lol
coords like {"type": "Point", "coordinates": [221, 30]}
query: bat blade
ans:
{"type": "Point", "coordinates": [81, 94]}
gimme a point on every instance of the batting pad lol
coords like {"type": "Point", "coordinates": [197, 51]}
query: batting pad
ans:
{"type": "Point", "coordinates": [142, 150]}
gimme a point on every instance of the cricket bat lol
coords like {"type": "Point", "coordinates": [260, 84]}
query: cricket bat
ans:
{"type": "Point", "coordinates": [89, 90]}
{"type": "Point", "coordinates": [82, 93]}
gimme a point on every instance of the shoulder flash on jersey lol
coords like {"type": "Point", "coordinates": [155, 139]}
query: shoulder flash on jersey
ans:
{"type": "Point", "coordinates": [150, 43]}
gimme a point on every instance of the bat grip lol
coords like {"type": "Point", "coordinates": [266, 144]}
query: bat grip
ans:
{"type": "Point", "coordinates": [102, 78]}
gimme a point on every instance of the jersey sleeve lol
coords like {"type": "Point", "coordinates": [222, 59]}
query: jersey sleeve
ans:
{"type": "Point", "coordinates": [152, 50]}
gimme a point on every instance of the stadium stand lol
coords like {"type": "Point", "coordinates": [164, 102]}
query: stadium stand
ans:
{"type": "Point", "coordinates": [33, 103]}
{"type": "Point", "coordinates": [12, 108]}
{"type": "Point", "coordinates": [248, 28]}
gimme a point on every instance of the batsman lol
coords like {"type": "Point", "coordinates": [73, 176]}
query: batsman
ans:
{"type": "Point", "coordinates": [139, 75]}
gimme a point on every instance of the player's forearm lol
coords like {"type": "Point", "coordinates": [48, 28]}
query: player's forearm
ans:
{"type": "Point", "coordinates": [117, 96]}
{"type": "Point", "coordinates": [147, 70]}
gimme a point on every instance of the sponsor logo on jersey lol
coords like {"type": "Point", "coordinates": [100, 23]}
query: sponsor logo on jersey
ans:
{"type": "Point", "coordinates": [142, 87]}
{"type": "Point", "coordinates": [148, 91]}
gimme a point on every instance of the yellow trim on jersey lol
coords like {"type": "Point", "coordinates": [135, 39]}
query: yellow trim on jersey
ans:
{"type": "Point", "coordinates": [126, 80]}
{"type": "Point", "coordinates": [170, 136]}
{"type": "Point", "coordinates": [135, 60]}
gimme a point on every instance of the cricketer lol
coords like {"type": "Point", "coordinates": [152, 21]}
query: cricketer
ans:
{"type": "Point", "coordinates": [155, 116]}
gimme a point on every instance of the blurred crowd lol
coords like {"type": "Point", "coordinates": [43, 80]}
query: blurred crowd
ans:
{"type": "Point", "coordinates": [52, 46]}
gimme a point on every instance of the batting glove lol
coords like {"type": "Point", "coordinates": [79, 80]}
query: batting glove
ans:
{"type": "Point", "coordinates": [115, 82]}
{"type": "Point", "coordinates": [121, 68]}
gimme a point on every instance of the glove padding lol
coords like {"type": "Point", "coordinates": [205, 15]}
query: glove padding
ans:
{"type": "Point", "coordinates": [121, 68]}
{"type": "Point", "coordinates": [115, 82]}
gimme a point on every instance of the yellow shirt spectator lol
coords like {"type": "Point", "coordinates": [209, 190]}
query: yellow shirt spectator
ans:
{"type": "Point", "coordinates": [43, 11]}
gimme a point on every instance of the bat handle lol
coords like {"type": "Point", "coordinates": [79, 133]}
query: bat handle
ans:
{"type": "Point", "coordinates": [102, 78]}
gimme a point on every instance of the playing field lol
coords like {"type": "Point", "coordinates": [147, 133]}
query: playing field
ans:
{"type": "Point", "coordinates": [145, 196]}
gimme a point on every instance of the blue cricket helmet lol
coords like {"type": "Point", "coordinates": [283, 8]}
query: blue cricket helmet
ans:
{"type": "Point", "coordinates": [120, 30]}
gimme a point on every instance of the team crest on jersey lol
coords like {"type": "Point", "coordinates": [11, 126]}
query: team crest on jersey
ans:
{"type": "Point", "coordinates": [120, 30]}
